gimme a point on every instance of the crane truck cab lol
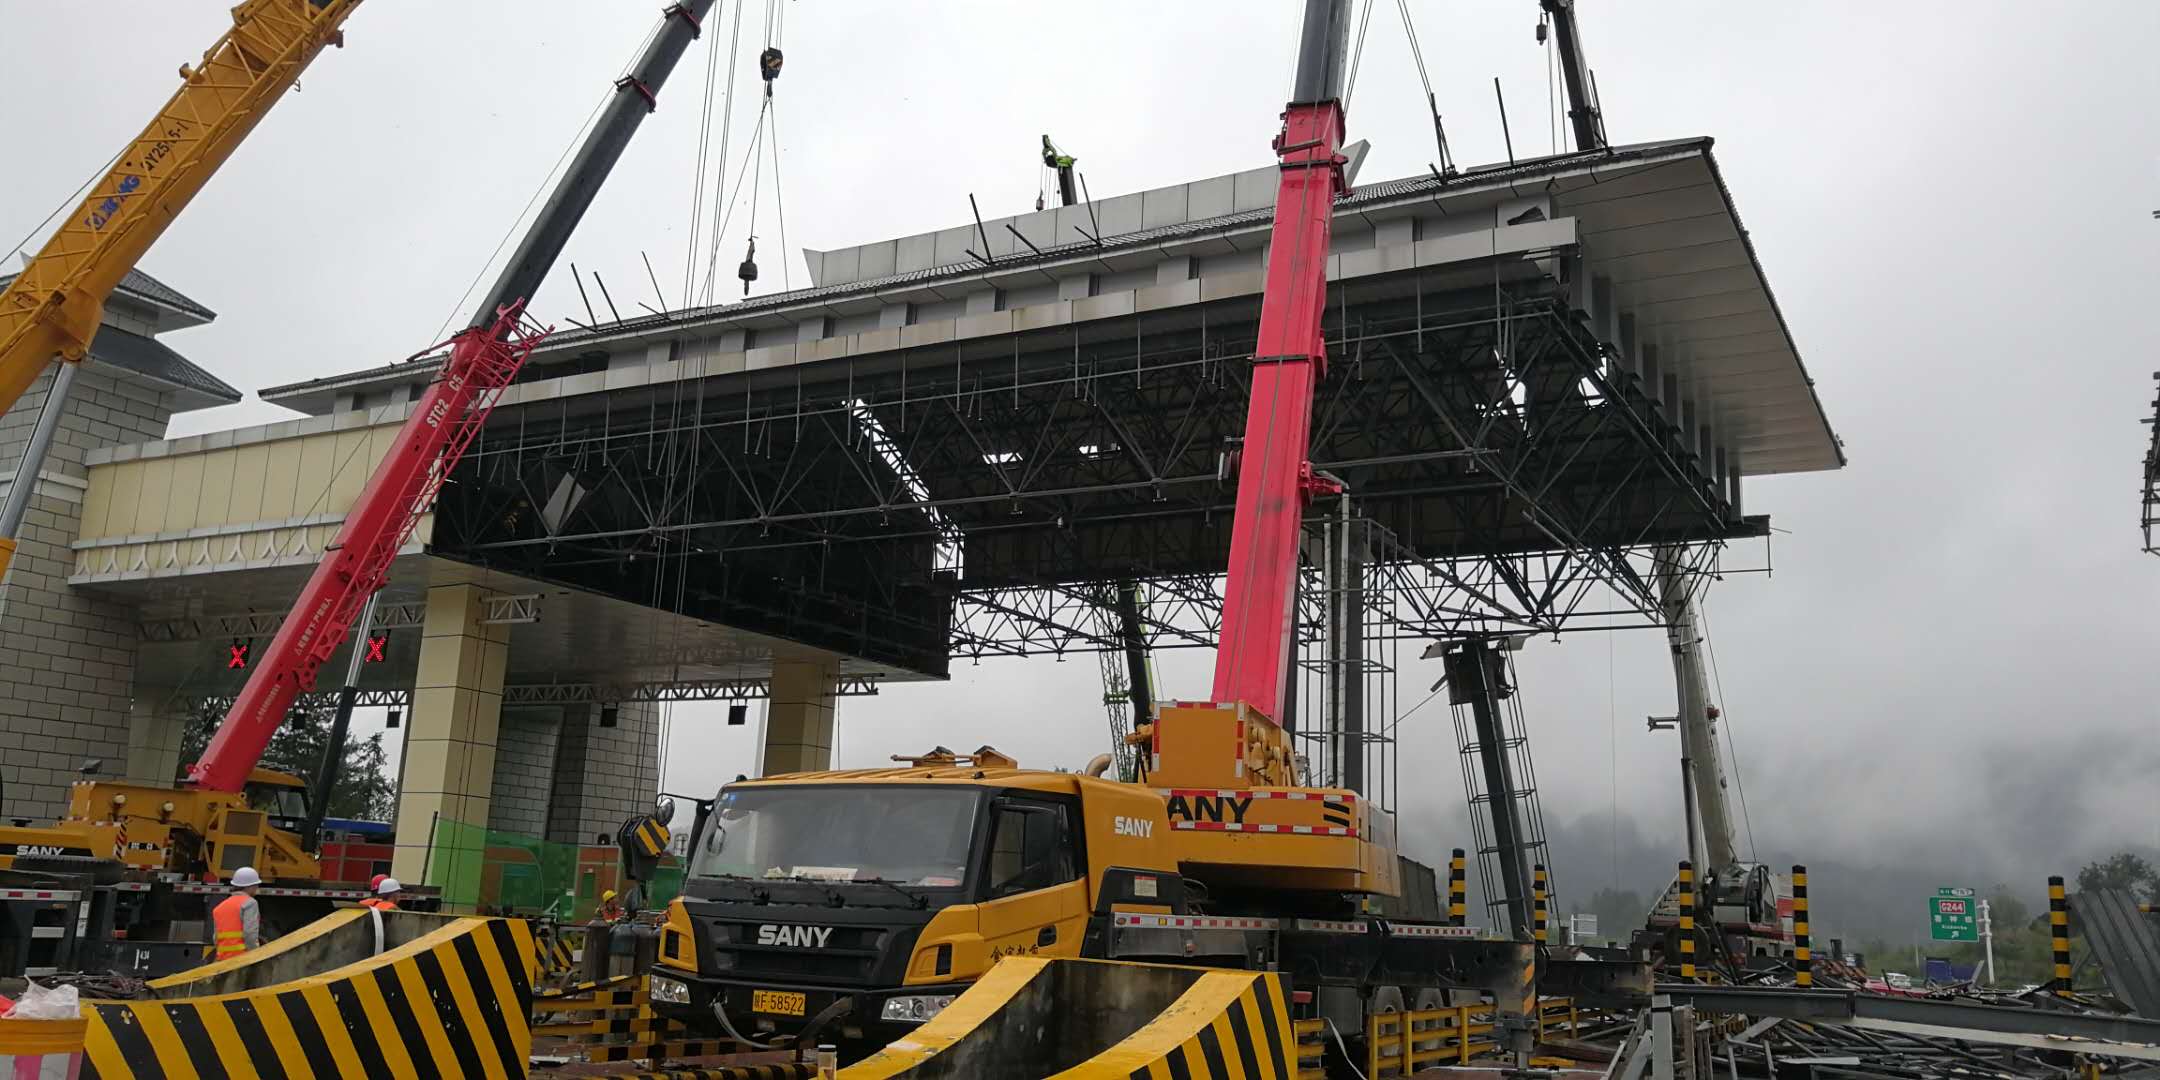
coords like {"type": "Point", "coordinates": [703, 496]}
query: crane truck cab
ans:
{"type": "Point", "coordinates": [865, 900]}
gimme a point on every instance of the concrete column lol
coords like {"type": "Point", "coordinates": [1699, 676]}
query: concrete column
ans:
{"type": "Point", "coordinates": [525, 750]}
{"type": "Point", "coordinates": [156, 722]}
{"type": "Point", "coordinates": [799, 718]}
{"type": "Point", "coordinates": [449, 767]}
{"type": "Point", "coordinates": [603, 775]}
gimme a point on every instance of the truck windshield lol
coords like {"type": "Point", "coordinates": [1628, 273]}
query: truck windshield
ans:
{"type": "Point", "coordinates": [907, 835]}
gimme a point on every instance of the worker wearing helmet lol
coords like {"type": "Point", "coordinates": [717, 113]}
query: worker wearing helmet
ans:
{"type": "Point", "coordinates": [387, 890]}
{"type": "Point", "coordinates": [375, 883]}
{"type": "Point", "coordinates": [611, 909]}
{"type": "Point", "coordinates": [237, 920]}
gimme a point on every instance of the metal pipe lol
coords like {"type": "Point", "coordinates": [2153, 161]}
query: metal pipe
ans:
{"type": "Point", "coordinates": [33, 459]}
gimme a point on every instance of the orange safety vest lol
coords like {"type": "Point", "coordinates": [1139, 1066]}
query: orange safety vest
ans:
{"type": "Point", "coordinates": [379, 904]}
{"type": "Point", "coordinates": [231, 937]}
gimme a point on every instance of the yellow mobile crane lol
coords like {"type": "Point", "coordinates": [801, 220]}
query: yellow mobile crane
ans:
{"type": "Point", "coordinates": [51, 311]}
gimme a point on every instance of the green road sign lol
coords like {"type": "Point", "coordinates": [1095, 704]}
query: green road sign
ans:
{"type": "Point", "coordinates": [1953, 917]}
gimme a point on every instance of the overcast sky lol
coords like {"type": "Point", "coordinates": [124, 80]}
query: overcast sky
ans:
{"type": "Point", "coordinates": [1955, 659]}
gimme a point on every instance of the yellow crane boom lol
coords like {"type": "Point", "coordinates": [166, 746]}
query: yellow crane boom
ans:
{"type": "Point", "coordinates": [52, 309]}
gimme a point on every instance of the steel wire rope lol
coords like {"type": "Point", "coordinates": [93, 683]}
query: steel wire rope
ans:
{"type": "Point", "coordinates": [779, 194]}
{"type": "Point", "coordinates": [1552, 91]}
{"type": "Point", "coordinates": [71, 200]}
{"type": "Point", "coordinates": [1357, 56]}
{"type": "Point", "coordinates": [727, 129]}
{"type": "Point", "coordinates": [546, 183]}
{"type": "Point", "coordinates": [1612, 753]}
{"type": "Point", "coordinates": [697, 181]}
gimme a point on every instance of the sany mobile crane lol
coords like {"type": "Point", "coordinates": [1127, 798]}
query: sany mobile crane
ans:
{"type": "Point", "coordinates": [851, 906]}
{"type": "Point", "coordinates": [229, 813]}
{"type": "Point", "coordinates": [53, 308]}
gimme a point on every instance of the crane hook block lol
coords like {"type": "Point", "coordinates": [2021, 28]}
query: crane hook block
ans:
{"type": "Point", "coordinates": [748, 270]}
{"type": "Point", "coordinates": [769, 63]}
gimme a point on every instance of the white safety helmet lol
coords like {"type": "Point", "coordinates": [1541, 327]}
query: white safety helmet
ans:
{"type": "Point", "coordinates": [388, 886]}
{"type": "Point", "coordinates": [245, 877]}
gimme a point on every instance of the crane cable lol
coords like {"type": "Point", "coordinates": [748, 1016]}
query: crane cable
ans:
{"type": "Point", "coordinates": [752, 167]}
{"type": "Point", "coordinates": [546, 184]}
{"type": "Point", "coordinates": [727, 128]}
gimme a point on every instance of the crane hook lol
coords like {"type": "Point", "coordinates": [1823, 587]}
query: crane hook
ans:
{"type": "Point", "coordinates": [769, 63]}
{"type": "Point", "coordinates": [748, 270]}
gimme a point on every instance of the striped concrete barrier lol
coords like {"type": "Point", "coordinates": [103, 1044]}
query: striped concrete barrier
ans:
{"type": "Point", "coordinates": [451, 1001]}
{"type": "Point", "coordinates": [1140, 1021]}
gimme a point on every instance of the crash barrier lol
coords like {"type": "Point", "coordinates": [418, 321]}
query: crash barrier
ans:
{"type": "Point", "coordinates": [613, 1020]}
{"type": "Point", "coordinates": [1401, 1043]}
{"type": "Point", "coordinates": [450, 1000]}
{"type": "Point", "coordinates": [41, 1048]}
{"type": "Point", "coordinates": [557, 948]}
{"type": "Point", "coordinates": [493, 871]}
{"type": "Point", "coordinates": [1073, 1019]}
{"type": "Point", "coordinates": [1311, 1038]}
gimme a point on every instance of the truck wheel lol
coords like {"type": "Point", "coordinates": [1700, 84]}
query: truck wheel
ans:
{"type": "Point", "coordinates": [99, 871]}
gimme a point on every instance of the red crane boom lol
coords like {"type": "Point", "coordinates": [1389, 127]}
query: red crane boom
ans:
{"type": "Point", "coordinates": [483, 361]}
{"type": "Point", "coordinates": [1275, 477]}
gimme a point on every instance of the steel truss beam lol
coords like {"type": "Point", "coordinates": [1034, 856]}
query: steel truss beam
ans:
{"type": "Point", "coordinates": [392, 615]}
{"type": "Point", "coordinates": [531, 694]}
{"type": "Point", "coordinates": [1516, 464]}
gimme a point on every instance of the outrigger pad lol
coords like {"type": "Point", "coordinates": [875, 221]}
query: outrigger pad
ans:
{"type": "Point", "coordinates": [1072, 1019]}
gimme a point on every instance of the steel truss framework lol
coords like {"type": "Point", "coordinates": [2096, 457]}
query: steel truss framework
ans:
{"type": "Point", "coordinates": [389, 615]}
{"type": "Point", "coordinates": [535, 694]}
{"type": "Point", "coordinates": [1479, 423]}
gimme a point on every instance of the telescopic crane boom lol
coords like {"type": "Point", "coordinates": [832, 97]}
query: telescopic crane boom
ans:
{"type": "Point", "coordinates": [1584, 116]}
{"type": "Point", "coordinates": [52, 310]}
{"type": "Point", "coordinates": [1275, 479]}
{"type": "Point", "coordinates": [483, 359]}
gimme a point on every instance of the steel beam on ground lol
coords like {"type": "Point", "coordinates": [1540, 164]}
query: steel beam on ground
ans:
{"type": "Point", "coordinates": [2114, 1036]}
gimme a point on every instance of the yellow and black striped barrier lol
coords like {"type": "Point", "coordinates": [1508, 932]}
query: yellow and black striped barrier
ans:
{"type": "Point", "coordinates": [450, 1003]}
{"type": "Point", "coordinates": [1402, 1044]}
{"type": "Point", "coordinates": [1146, 1022]}
{"type": "Point", "coordinates": [1311, 1038]}
{"type": "Point", "coordinates": [2059, 934]}
{"type": "Point", "coordinates": [1687, 921]}
{"type": "Point", "coordinates": [1458, 889]}
{"type": "Point", "coordinates": [1538, 897]}
{"type": "Point", "coordinates": [1802, 957]}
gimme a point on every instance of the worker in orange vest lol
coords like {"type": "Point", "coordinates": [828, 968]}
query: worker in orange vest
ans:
{"type": "Point", "coordinates": [386, 894]}
{"type": "Point", "coordinates": [611, 909]}
{"type": "Point", "coordinates": [237, 920]}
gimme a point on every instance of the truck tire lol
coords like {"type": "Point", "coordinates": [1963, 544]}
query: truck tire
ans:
{"type": "Point", "coordinates": [99, 871]}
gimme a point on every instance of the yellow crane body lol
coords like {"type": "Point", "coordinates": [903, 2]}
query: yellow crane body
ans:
{"type": "Point", "coordinates": [53, 307]}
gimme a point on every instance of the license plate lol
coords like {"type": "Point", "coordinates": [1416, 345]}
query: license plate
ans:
{"type": "Point", "coordinates": [777, 1002]}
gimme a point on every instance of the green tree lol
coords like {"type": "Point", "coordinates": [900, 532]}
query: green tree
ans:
{"type": "Point", "coordinates": [364, 788]}
{"type": "Point", "coordinates": [2124, 870]}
